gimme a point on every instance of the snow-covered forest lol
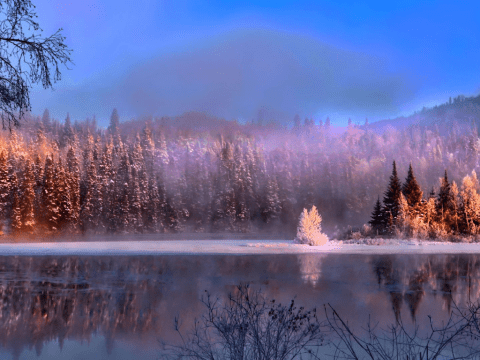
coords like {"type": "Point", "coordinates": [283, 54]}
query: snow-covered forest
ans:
{"type": "Point", "coordinates": [194, 173]}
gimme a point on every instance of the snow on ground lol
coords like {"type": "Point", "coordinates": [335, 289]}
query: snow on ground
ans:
{"type": "Point", "coordinates": [232, 247]}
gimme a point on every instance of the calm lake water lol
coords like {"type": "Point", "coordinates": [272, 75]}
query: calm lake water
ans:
{"type": "Point", "coordinates": [95, 307]}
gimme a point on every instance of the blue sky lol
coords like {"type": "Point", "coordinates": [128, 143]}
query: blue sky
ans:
{"type": "Point", "coordinates": [237, 59]}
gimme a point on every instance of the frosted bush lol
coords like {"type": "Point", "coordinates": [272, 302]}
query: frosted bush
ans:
{"type": "Point", "coordinates": [309, 229]}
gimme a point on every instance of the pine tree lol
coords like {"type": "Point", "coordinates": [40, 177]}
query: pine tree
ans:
{"type": "Point", "coordinates": [73, 180]}
{"type": "Point", "coordinates": [92, 206]}
{"type": "Point", "coordinates": [46, 121]}
{"type": "Point", "coordinates": [391, 200]}
{"type": "Point", "coordinates": [122, 204]}
{"type": "Point", "coordinates": [378, 220]}
{"type": "Point", "coordinates": [49, 200]}
{"type": "Point", "coordinates": [148, 150]}
{"type": "Point", "coordinates": [63, 197]}
{"type": "Point", "coordinates": [271, 202]}
{"type": "Point", "coordinates": [5, 189]}
{"type": "Point", "coordinates": [411, 190]}
{"type": "Point", "coordinates": [16, 213]}
{"type": "Point", "coordinates": [107, 188]}
{"type": "Point", "coordinates": [68, 134]}
{"type": "Point", "coordinates": [27, 197]}
{"type": "Point", "coordinates": [445, 204]}
{"type": "Point", "coordinates": [113, 127]}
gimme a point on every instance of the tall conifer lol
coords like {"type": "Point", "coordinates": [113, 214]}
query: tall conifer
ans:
{"type": "Point", "coordinates": [391, 200]}
{"type": "Point", "coordinates": [411, 190]}
{"type": "Point", "coordinates": [378, 219]}
{"type": "Point", "coordinates": [5, 187]}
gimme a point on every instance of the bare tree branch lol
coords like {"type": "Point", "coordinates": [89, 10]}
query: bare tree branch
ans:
{"type": "Point", "coordinates": [22, 46]}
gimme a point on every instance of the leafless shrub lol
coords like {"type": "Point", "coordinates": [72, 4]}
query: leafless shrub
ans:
{"type": "Point", "coordinates": [248, 326]}
{"type": "Point", "coordinates": [458, 339]}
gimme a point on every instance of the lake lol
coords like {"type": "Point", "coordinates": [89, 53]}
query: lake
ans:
{"type": "Point", "coordinates": [120, 307]}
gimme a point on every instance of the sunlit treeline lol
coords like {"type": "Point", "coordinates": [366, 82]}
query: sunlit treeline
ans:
{"type": "Point", "coordinates": [406, 212]}
{"type": "Point", "coordinates": [198, 174]}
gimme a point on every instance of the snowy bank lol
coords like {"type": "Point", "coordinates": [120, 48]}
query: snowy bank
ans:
{"type": "Point", "coordinates": [232, 247]}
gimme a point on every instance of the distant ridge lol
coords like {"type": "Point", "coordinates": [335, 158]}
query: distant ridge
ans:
{"type": "Point", "coordinates": [460, 111]}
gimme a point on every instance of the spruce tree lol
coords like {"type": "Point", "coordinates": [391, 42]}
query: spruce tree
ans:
{"type": "Point", "coordinates": [27, 193]}
{"type": "Point", "coordinates": [49, 200]}
{"type": "Point", "coordinates": [411, 190]}
{"type": "Point", "coordinates": [63, 196]}
{"type": "Point", "coordinates": [378, 219]}
{"type": "Point", "coordinates": [445, 204]}
{"type": "Point", "coordinates": [73, 180]}
{"type": "Point", "coordinates": [391, 200]}
{"type": "Point", "coordinates": [16, 214]}
{"type": "Point", "coordinates": [5, 188]}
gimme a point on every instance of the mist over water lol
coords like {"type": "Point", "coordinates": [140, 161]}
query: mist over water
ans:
{"type": "Point", "coordinates": [106, 304]}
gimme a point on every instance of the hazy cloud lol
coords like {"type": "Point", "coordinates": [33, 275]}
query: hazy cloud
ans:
{"type": "Point", "coordinates": [241, 72]}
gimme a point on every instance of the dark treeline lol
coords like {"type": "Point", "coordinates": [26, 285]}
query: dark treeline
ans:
{"type": "Point", "coordinates": [199, 174]}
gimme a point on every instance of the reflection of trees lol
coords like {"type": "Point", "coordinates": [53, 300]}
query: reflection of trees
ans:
{"type": "Point", "coordinates": [45, 299]}
{"type": "Point", "coordinates": [49, 299]}
{"type": "Point", "coordinates": [455, 277]}
{"type": "Point", "coordinates": [311, 267]}
{"type": "Point", "coordinates": [388, 276]}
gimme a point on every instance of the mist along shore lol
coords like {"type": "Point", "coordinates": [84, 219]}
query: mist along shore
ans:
{"type": "Point", "coordinates": [230, 247]}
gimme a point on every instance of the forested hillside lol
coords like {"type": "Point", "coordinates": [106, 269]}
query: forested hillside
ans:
{"type": "Point", "coordinates": [200, 174]}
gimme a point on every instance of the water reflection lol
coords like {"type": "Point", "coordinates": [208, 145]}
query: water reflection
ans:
{"type": "Point", "coordinates": [132, 300]}
{"type": "Point", "coordinates": [408, 278]}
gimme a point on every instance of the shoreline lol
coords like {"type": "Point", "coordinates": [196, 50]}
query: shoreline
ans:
{"type": "Point", "coordinates": [229, 247]}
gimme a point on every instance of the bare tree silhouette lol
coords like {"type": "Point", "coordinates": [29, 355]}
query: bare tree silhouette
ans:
{"type": "Point", "coordinates": [26, 58]}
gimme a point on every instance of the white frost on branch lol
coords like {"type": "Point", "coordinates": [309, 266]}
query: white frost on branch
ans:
{"type": "Point", "coordinates": [309, 230]}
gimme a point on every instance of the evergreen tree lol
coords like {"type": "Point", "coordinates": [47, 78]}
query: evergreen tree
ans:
{"type": "Point", "coordinates": [5, 189]}
{"type": "Point", "coordinates": [411, 190]}
{"type": "Point", "coordinates": [49, 200]}
{"type": "Point", "coordinates": [122, 204]}
{"type": "Point", "coordinates": [271, 202]}
{"type": "Point", "coordinates": [107, 188]}
{"type": "Point", "coordinates": [445, 204]}
{"type": "Point", "coordinates": [27, 196]}
{"type": "Point", "coordinates": [73, 182]}
{"type": "Point", "coordinates": [16, 213]}
{"type": "Point", "coordinates": [113, 127]}
{"type": "Point", "coordinates": [378, 220]}
{"type": "Point", "coordinates": [68, 135]}
{"type": "Point", "coordinates": [46, 121]}
{"type": "Point", "coordinates": [148, 150]}
{"type": "Point", "coordinates": [91, 208]}
{"type": "Point", "coordinates": [391, 200]}
{"type": "Point", "coordinates": [63, 196]}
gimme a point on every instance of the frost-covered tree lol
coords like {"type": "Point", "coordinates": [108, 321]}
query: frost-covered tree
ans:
{"type": "Point", "coordinates": [403, 218]}
{"type": "Point", "coordinates": [5, 188]}
{"type": "Point", "coordinates": [49, 200]}
{"type": "Point", "coordinates": [445, 204]}
{"type": "Point", "coordinates": [471, 203]}
{"type": "Point", "coordinates": [16, 213]}
{"type": "Point", "coordinates": [27, 196]}
{"type": "Point", "coordinates": [73, 180]}
{"type": "Point", "coordinates": [63, 196]}
{"type": "Point", "coordinates": [309, 229]}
